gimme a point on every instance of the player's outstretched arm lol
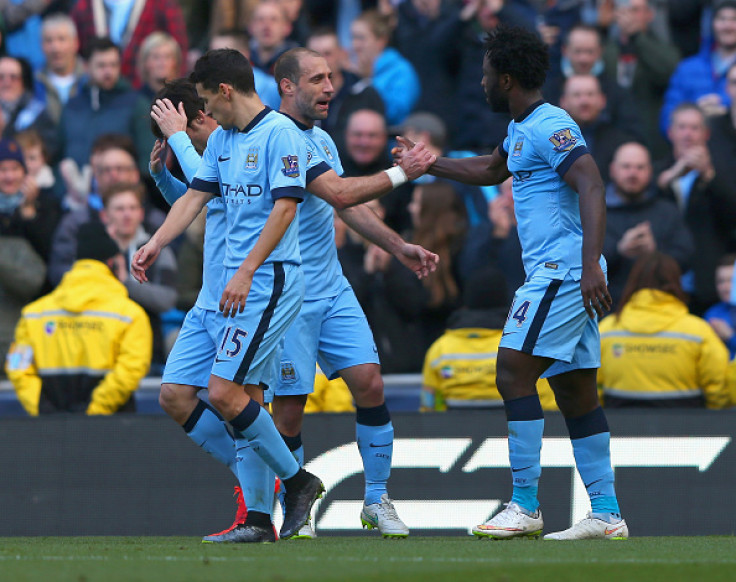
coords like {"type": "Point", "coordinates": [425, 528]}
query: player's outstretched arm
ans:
{"type": "Point", "coordinates": [237, 289]}
{"type": "Point", "coordinates": [477, 170]}
{"type": "Point", "coordinates": [414, 257]}
{"type": "Point", "coordinates": [584, 177]}
{"type": "Point", "coordinates": [181, 215]}
{"type": "Point", "coordinates": [346, 192]}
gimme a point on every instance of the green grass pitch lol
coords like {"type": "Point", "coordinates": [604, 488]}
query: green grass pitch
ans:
{"type": "Point", "coordinates": [130, 559]}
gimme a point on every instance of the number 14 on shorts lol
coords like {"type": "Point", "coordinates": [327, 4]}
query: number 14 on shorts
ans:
{"type": "Point", "coordinates": [519, 313]}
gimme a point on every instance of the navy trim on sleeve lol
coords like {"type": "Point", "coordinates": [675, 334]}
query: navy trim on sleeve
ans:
{"type": "Point", "coordinates": [204, 186]}
{"type": "Point", "coordinates": [288, 192]}
{"type": "Point", "coordinates": [317, 171]}
{"type": "Point", "coordinates": [504, 154]}
{"type": "Point", "coordinates": [570, 160]}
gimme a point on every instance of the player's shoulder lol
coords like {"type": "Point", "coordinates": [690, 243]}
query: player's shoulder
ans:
{"type": "Point", "coordinates": [554, 125]}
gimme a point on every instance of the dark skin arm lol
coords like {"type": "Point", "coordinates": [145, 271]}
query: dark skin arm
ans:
{"type": "Point", "coordinates": [478, 170]}
{"type": "Point", "coordinates": [584, 177]}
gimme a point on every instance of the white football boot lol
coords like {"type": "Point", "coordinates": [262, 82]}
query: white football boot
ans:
{"type": "Point", "coordinates": [383, 516]}
{"type": "Point", "coordinates": [592, 528]}
{"type": "Point", "coordinates": [512, 522]}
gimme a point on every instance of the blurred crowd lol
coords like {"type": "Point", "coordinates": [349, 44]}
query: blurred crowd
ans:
{"type": "Point", "coordinates": [651, 83]}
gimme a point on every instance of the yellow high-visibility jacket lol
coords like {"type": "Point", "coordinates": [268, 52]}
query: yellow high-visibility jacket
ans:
{"type": "Point", "coordinates": [82, 348]}
{"type": "Point", "coordinates": [460, 372]}
{"type": "Point", "coordinates": [657, 351]}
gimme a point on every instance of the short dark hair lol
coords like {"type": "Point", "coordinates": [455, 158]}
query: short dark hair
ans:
{"type": "Point", "coordinates": [583, 28]}
{"type": "Point", "coordinates": [519, 53]}
{"type": "Point", "coordinates": [123, 188]}
{"type": "Point", "coordinates": [224, 66]}
{"type": "Point", "coordinates": [99, 44]}
{"type": "Point", "coordinates": [114, 141]}
{"type": "Point", "coordinates": [179, 91]}
{"type": "Point", "coordinates": [288, 65]}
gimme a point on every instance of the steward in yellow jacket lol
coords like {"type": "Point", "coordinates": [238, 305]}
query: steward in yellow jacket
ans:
{"type": "Point", "coordinates": [657, 354]}
{"type": "Point", "coordinates": [85, 346]}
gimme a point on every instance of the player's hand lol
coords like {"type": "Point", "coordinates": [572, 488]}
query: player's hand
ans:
{"type": "Point", "coordinates": [156, 161]}
{"type": "Point", "coordinates": [596, 298]}
{"type": "Point", "coordinates": [421, 261]}
{"type": "Point", "coordinates": [236, 292]}
{"type": "Point", "coordinates": [143, 259]}
{"type": "Point", "coordinates": [170, 119]}
{"type": "Point", "coordinates": [398, 151]}
{"type": "Point", "coordinates": [417, 161]}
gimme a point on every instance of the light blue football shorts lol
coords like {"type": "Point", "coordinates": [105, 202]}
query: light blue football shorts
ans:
{"type": "Point", "coordinates": [251, 341]}
{"type": "Point", "coordinates": [190, 360]}
{"type": "Point", "coordinates": [547, 319]}
{"type": "Point", "coordinates": [333, 332]}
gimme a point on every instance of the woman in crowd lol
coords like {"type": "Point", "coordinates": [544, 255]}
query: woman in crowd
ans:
{"type": "Point", "coordinates": [653, 352]}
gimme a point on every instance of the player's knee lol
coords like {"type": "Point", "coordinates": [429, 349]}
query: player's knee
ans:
{"type": "Point", "coordinates": [169, 398]}
{"type": "Point", "coordinates": [369, 391]}
{"type": "Point", "coordinates": [288, 414]}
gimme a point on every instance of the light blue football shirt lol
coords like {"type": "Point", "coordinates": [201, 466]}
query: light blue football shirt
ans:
{"type": "Point", "coordinates": [321, 267]}
{"type": "Point", "coordinates": [540, 146]}
{"type": "Point", "coordinates": [250, 169]}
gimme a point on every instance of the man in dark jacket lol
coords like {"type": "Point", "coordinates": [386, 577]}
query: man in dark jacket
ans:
{"type": "Point", "coordinates": [106, 104]}
{"type": "Point", "coordinates": [638, 221]}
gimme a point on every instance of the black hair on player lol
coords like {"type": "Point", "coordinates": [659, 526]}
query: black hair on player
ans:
{"type": "Point", "coordinates": [519, 53]}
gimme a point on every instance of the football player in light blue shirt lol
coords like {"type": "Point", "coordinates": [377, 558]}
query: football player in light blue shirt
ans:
{"type": "Point", "coordinates": [179, 114]}
{"type": "Point", "coordinates": [331, 328]}
{"type": "Point", "coordinates": [552, 329]}
{"type": "Point", "coordinates": [256, 163]}
{"type": "Point", "coordinates": [180, 124]}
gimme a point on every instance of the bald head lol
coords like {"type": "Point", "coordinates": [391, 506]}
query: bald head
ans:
{"type": "Point", "coordinates": [631, 171]}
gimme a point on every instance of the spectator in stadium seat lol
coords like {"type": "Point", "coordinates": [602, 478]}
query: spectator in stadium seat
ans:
{"type": "Point", "coordinates": [582, 54]}
{"type": "Point", "coordinates": [159, 60]}
{"type": "Point", "coordinates": [706, 199]}
{"type": "Point", "coordinates": [127, 23]}
{"type": "Point", "coordinates": [407, 314]}
{"type": "Point", "coordinates": [427, 35]}
{"type": "Point", "coordinates": [638, 221]}
{"type": "Point", "coordinates": [104, 104]}
{"type": "Point", "coordinates": [123, 215]}
{"type": "Point", "coordinates": [36, 159]}
{"type": "Point", "coordinates": [269, 30]}
{"type": "Point", "coordinates": [583, 98]}
{"type": "Point", "coordinates": [84, 347]}
{"type": "Point", "coordinates": [366, 152]}
{"type": "Point", "coordinates": [20, 109]}
{"type": "Point", "coordinates": [656, 354]}
{"type": "Point", "coordinates": [351, 92]}
{"type": "Point", "coordinates": [24, 211]}
{"type": "Point", "coordinates": [701, 79]}
{"type": "Point", "coordinates": [391, 74]}
{"type": "Point", "coordinates": [722, 315]}
{"type": "Point", "coordinates": [477, 128]}
{"type": "Point", "coordinates": [64, 71]}
{"type": "Point", "coordinates": [112, 161]}
{"type": "Point", "coordinates": [642, 62]}
{"type": "Point", "coordinates": [25, 219]}
{"type": "Point", "coordinates": [460, 366]}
